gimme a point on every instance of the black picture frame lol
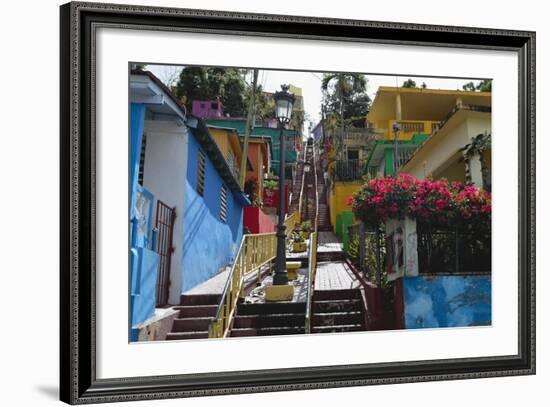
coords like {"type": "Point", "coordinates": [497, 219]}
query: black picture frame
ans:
{"type": "Point", "coordinates": [78, 382]}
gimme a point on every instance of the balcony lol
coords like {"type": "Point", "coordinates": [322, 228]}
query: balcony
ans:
{"type": "Point", "coordinates": [408, 128]}
{"type": "Point", "coordinates": [349, 170]}
{"type": "Point", "coordinates": [355, 137]}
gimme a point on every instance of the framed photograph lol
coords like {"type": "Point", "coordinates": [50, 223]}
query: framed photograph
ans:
{"type": "Point", "coordinates": [255, 203]}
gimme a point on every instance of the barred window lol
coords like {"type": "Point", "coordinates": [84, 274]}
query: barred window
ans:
{"type": "Point", "coordinates": [201, 172]}
{"type": "Point", "coordinates": [142, 159]}
{"type": "Point", "coordinates": [223, 204]}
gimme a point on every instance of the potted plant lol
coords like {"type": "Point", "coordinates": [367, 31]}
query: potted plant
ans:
{"type": "Point", "coordinates": [298, 243]}
{"type": "Point", "coordinates": [306, 229]}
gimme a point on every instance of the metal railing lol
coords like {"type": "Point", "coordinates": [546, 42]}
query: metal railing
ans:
{"type": "Point", "coordinates": [366, 249]}
{"type": "Point", "coordinates": [349, 170]}
{"type": "Point", "coordinates": [453, 251]}
{"type": "Point", "coordinates": [312, 257]}
{"type": "Point", "coordinates": [312, 267]}
{"type": "Point", "coordinates": [291, 222]}
{"type": "Point", "coordinates": [254, 252]}
{"type": "Point", "coordinates": [408, 128]}
{"type": "Point", "coordinates": [300, 198]}
{"type": "Point", "coordinates": [402, 156]}
{"type": "Point", "coordinates": [372, 172]}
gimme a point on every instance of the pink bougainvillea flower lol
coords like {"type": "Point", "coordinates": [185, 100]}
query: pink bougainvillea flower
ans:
{"type": "Point", "coordinates": [441, 204]}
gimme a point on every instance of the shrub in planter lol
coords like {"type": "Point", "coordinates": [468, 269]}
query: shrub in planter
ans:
{"type": "Point", "coordinates": [438, 203]}
{"type": "Point", "coordinates": [298, 243]}
{"type": "Point", "coordinates": [305, 229]}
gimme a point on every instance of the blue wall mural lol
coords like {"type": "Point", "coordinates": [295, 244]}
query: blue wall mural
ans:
{"type": "Point", "coordinates": [208, 243]}
{"type": "Point", "coordinates": [447, 301]}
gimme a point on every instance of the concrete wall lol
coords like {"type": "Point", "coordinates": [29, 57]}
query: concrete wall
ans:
{"type": "Point", "coordinates": [142, 286]}
{"type": "Point", "coordinates": [257, 221]}
{"type": "Point", "coordinates": [441, 150]}
{"type": "Point", "coordinates": [164, 176]}
{"type": "Point", "coordinates": [338, 197]}
{"type": "Point", "coordinates": [209, 244]}
{"type": "Point", "coordinates": [447, 301]}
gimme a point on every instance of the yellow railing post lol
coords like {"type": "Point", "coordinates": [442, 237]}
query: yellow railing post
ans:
{"type": "Point", "coordinates": [255, 252]}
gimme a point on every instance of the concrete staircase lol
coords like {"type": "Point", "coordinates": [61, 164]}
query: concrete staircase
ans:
{"type": "Point", "coordinates": [296, 186]}
{"type": "Point", "coordinates": [323, 221]}
{"type": "Point", "coordinates": [195, 314]}
{"type": "Point", "coordinates": [265, 319]}
{"type": "Point", "coordinates": [337, 311]}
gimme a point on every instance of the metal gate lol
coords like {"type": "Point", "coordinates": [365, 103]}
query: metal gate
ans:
{"type": "Point", "coordinates": [165, 225]}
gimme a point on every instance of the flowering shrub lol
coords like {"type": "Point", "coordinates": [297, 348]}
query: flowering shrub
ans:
{"type": "Point", "coordinates": [431, 202]}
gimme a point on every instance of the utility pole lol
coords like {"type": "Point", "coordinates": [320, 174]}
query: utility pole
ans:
{"type": "Point", "coordinates": [341, 86]}
{"type": "Point", "coordinates": [248, 130]}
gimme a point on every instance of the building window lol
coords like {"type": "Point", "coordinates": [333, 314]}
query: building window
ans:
{"type": "Point", "coordinates": [142, 159]}
{"type": "Point", "coordinates": [201, 173]}
{"type": "Point", "coordinates": [223, 204]}
{"type": "Point", "coordinates": [232, 163]}
{"type": "Point", "coordinates": [353, 154]}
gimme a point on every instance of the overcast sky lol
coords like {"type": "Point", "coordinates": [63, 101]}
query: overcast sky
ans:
{"type": "Point", "coordinates": [310, 82]}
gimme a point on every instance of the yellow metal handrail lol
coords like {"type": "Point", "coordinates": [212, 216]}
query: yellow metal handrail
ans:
{"type": "Point", "coordinates": [291, 222]}
{"type": "Point", "coordinates": [312, 267]}
{"type": "Point", "coordinates": [301, 197]}
{"type": "Point", "coordinates": [254, 252]}
{"type": "Point", "coordinates": [311, 278]}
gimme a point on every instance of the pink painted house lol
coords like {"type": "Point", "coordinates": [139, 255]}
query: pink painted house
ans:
{"type": "Point", "coordinates": [207, 109]}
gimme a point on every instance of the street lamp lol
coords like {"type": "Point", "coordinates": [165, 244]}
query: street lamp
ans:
{"type": "Point", "coordinates": [283, 101]}
{"type": "Point", "coordinates": [396, 129]}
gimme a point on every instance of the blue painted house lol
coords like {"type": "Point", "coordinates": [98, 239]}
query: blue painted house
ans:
{"type": "Point", "coordinates": [186, 207]}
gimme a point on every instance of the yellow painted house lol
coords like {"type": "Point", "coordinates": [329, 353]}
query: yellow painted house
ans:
{"type": "Point", "coordinates": [445, 154]}
{"type": "Point", "coordinates": [434, 123]}
{"type": "Point", "coordinates": [227, 140]}
{"type": "Point", "coordinates": [407, 117]}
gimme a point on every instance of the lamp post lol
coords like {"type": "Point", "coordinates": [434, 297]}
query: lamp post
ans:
{"type": "Point", "coordinates": [284, 101]}
{"type": "Point", "coordinates": [396, 129]}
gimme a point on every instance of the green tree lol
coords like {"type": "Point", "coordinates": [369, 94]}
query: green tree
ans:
{"type": "Point", "coordinates": [409, 83]}
{"type": "Point", "coordinates": [208, 83]}
{"type": "Point", "coordinates": [469, 87]}
{"type": "Point", "coordinates": [348, 98]}
{"type": "Point", "coordinates": [483, 86]}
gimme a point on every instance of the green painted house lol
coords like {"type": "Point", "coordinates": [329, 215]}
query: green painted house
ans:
{"type": "Point", "coordinates": [380, 161]}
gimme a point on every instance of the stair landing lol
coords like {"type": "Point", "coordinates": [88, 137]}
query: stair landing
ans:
{"type": "Point", "coordinates": [328, 242]}
{"type": "Point", "coordinates": [335, 276]}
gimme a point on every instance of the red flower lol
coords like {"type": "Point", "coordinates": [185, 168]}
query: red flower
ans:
{"type": "Point", "coordinates": [441, 204]}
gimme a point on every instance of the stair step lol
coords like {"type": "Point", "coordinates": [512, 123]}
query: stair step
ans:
{"type": "Point", "coordinates": [200, 299]}
{"type": "Point", "coordinates": [337, 318]}
{"type": "Point", "coordinates": [337, 328]}
{"type": "Point", "coordinates": [174, 336]}
{"type": "Point", "coordinates": [191, 324]}
{"type": "Point", "coordinates": [342, 294]}
{"type": "Point", "coordinates": [267, 331]}
{"type": "Point", "coordinates": [188, 311]}
{"type": "Point", "coordinates": [271, 308]}
{"type": "Point", "coordinates": [321, 306]}
{"type": "Point", "coordinates": [330, 256]}
{"type": "Point", "coordinates": [269, 321]}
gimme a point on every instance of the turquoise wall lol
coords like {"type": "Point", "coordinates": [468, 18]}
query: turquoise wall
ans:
{"type": "Point", "coordinates": [447, 301]}
{"type": "Point", "coordinates": [143, 261]}
{"type": "Point", "coordinates": [208, 243]}
{"type": "Point", "coordinates": [239, 126]}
